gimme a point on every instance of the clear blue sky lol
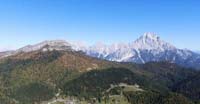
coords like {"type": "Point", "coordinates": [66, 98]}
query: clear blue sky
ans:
{"type": "Point", "coordinates": [25, 22]}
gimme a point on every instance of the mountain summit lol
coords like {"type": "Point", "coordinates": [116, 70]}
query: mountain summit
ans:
{"type": "Point", "coordinates": [47, 45]}
{"type": "Point", "coordinates": [149, 36]}
{"type": "Point", "coordinates": [150, 41]}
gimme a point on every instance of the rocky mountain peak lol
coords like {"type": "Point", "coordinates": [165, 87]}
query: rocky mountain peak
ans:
{"type": "Point", "coordinates": [150, 36]}
{"type": "Point", "coordinates": [47, 45]}
{"type": "Point", "coordinates": [150, 41]}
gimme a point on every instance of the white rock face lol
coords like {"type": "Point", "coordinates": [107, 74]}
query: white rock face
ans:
{"type": "Point", "coordinates": [150, 41]}
{"type": "Point", "coordinates": [131, 51]}
{"type": "Point", "coordinates": [149, 47]}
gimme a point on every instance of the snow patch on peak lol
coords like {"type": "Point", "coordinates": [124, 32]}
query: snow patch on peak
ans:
{"type": "Point", "coordinates": [150, 41]}
{"type": "Point", "coordinates": [150, 35]}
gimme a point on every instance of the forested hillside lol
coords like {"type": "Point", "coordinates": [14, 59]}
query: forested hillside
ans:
{"type": "Point", "coordinates": [34, 77]}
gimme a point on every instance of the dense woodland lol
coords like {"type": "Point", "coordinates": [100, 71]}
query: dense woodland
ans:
{"type": "Point", "coordinates": [38, 76]}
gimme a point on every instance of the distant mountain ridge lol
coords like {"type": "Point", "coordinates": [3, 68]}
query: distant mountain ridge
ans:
{"type": "Point", "coordinates": [130, 51]}
{"type": "Point", "coordinates": [147, 48]}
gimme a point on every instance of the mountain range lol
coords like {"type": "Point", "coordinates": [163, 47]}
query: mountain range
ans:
{"type": "Point", "coordinates": [147, 48]}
